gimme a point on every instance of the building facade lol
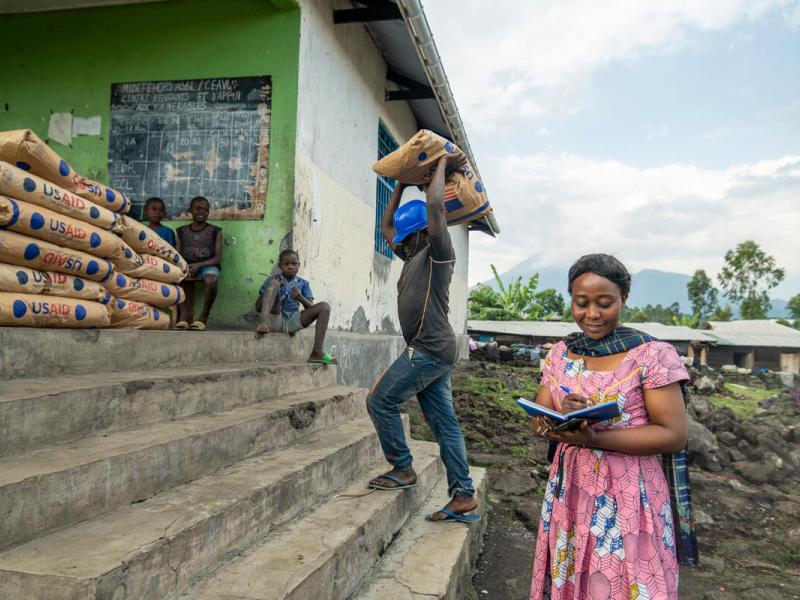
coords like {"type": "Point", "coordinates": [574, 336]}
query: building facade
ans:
{"type": "Point", "coordinates": [332, 68]}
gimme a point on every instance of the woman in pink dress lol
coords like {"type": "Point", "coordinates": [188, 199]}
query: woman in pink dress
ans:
{"type": "Point", "coordinates": [606, 529]}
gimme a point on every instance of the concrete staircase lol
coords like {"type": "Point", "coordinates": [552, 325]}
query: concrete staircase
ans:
{"type": "Point", "coordinates": [160, 465]}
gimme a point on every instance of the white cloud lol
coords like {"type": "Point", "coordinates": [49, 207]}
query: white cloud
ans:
{"type": "Point", "coordinates": [674, 217]}
{"type": "Point", "coordinates": [536, 59]}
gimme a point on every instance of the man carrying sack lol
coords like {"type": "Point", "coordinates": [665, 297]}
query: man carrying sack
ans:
{"type": "Point", "coordinates": [417, 232]}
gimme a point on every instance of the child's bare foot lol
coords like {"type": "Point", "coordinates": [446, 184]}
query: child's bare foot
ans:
{"type": "Point", "coordinates": [459, 505]}
{"type": "Point", "coordinates": [262, 328]}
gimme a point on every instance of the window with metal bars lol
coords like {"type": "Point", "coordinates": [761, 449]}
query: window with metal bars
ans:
{"type": "Point", "coordinates": [385, 187]}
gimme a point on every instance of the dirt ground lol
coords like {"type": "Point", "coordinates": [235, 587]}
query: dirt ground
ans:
{"type": "Point", "coordinates": [749, 534]}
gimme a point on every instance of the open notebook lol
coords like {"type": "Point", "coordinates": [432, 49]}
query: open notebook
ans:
{"type": "Point", "coordinates": [598, 412]}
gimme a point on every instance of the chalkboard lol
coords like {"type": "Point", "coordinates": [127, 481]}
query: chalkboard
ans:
{"type": "Point", "coordinates": [195, 137]}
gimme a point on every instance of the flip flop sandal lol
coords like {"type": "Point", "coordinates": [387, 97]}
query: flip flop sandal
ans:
{"type": "Point", "coordinates": [401, 485]}
{"type": "Point", "coordinates": [452, 517]}
{"type": "Point", "coordinates": [325, 359]}
{"type": "Point", "coordinates": [198, 326]}
{"type": "Point", "coordinates": [181, 325]}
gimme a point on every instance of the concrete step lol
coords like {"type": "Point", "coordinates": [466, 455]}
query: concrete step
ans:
{"type": "Point", "coordinates": [35, 412]}
{"type": "Point", "coordinates": [30, 352]}
{"type": "Point", "coordinates": [153, 549]}
{"type": "Point", "coordinates": [66, 483]}
{"type": "Point", "coordinates": [430, 560]}
{"type": "Point", "coordinates": [324, 554]}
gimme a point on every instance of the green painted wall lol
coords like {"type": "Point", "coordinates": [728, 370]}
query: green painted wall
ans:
{"type": "Point", "coordinates": [67, 60]}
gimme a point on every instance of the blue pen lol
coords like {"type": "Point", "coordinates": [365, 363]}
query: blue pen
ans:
{"type": "Point", "coordinates": [565, 389]}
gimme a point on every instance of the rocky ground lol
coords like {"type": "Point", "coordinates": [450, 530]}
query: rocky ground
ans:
{"type": "Point", "coordinates": [745, 446]}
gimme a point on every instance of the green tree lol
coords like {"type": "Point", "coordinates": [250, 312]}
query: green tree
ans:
{"type": "Point", "coordinates": [702, 296]}
{"type": "Point", "coordinates": [652, 314]}
{"type": "Point", "coordinates": [793, 306]}
{"type": "Point", "coordinates": [514, 302]}
{"type": "Point", "coordinates": [549, 303]}
{"type": "Point", "coordinates": [749, 273]}
{"type": "Point", "coordinates": [722, 314]}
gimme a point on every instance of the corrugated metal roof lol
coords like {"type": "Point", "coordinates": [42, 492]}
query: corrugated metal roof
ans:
{"type": "Point", "coordinates": [559, 329]}
{"type": "Point", "coordinates": [759, 333]}
{"type": "Point", "coordinates": [555, 329]}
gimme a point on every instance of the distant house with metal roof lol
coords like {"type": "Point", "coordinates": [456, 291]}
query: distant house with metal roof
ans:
{"type": "Point", "coordinates": [539, 332]}
{"type": "Point", "coordinates": [748, 344]}
{"type": "Point", "coordinates": [755, 344]}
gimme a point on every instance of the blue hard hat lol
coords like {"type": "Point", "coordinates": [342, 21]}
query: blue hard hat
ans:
{"type": "Point", "coordinates": [409, 218]}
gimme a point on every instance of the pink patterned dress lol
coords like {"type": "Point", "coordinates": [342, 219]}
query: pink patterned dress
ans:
{"type": "Point", "coordinates": [606, 528]}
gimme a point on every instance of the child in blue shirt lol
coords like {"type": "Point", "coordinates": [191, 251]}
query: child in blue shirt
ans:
{"type": "Point", "coordinates": [279, 302]}
{"type": "Point", "coordinates": [155, 211]}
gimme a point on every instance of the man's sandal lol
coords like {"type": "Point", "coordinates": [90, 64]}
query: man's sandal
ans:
{"type": "Point", "coordinates": [198, 326]}
{"type": "Point", "coordinates": [451, 517]}
{"type": "Point", "coordinates": [401, 485]}
{"type": "Point", "coordinates": [182, 325]}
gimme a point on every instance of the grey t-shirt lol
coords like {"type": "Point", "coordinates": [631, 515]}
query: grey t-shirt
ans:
{"type": "Point", "coordinates": [423, 298]}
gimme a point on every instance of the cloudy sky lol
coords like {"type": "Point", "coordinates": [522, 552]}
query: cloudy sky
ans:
{"type": "Point", "coordinates": [662, 132]}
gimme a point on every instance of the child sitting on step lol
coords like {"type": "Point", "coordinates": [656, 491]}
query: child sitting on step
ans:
{"type": "Point", "coordinates": [200, 243]}
{"type": "Point", "coordinates": [279, 301]}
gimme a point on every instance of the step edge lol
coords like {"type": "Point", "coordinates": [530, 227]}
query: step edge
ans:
{"type": "Point", "coordinates": [432, 471]}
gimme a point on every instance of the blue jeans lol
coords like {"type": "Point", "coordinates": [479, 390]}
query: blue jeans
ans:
{"type": "Point", "coordinates": [429, 378]}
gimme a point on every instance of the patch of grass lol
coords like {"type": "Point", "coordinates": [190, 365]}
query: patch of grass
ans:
{"type": "Point", "coordinates": [748, 392]}
{"type": "Point", "coordinates": [497, 392]}
{"type": "Point", "coordinates": [420, 430]}
{"type": "Point", "coordinates": [520, 452]}
{"type": "Point", "coordinates": [744, 401]}
{"type": "Point", "coordinates": [741, 407]}
{"type": "Point", "coordinates": [768, 552]}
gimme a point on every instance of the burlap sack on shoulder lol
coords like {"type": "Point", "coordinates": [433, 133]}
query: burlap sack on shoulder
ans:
{"type": "Point", "coordinates": [31, 188]}
{"type": "Point", "coordinates": [14, 278]}
{"type": "Point", "coordinates": [155, 293]}
{"type": "Point", "coordinates": [126, 314]}
{"type": "Point", "coordinates": [44, 224]}
{"type": "Point", "coordinates": [415, 161]}
{"type": "Point", "coordinates": [35, 310]}
{"type": "Point", "coordinates": [29, 252]}
{"type": "Point", "coordinates": [155, 268]}
{"type": "Point", "coordinates": [146, 241]}
{"type": "Point", "coordinates": [26, 150]}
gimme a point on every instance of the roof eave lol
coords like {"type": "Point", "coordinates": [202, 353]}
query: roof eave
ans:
{"type": "Point", "coordinates": [422, 39]}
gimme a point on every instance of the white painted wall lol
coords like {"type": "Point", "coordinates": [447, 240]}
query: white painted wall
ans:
{"type": "Point", "coordinates": [341, 87]}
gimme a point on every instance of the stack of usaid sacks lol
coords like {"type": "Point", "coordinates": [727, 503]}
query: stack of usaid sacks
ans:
{"type": "Point", "coordinates": [415, 162]}
{"type": "Point", "coordinates": [69, 256]}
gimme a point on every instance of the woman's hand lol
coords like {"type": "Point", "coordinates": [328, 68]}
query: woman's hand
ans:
{"type": "Point", "coordinates": [583, 436]}
{"type": "Point", "coordinates": [541, 425]}
{"type": "Point", "coordinates": [573, 402]}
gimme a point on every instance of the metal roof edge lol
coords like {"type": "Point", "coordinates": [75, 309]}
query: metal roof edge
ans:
{"type": "Point", "coordinates": [422, 38]}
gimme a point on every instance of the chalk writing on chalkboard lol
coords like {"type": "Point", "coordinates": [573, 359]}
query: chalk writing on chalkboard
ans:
{"type": "Point", "coordinates": [197, 137]}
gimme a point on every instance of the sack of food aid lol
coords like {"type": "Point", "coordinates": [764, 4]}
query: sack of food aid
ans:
{"type": "Point", "coordinates": [155, 268]}
{"type": "Point", "coordinates": [23, 280]}
{"type": "Point", "coordinates": [36, 254]}
{"type": "Point", "coordinates": [35, 310]}
{"type": "Point", "coordinates": [415, 161]}
{"type": "Point", "coordinates": [20, 185]}
{"type": "Point", "coordinates": [26, 150]}
{"type": "Point", "coordinates": [136, 315]}
{"type": "Point", "coordinates": [44, 224]}
{"type": "Point", "coordinates": [155, 293]}
{"type": "Point", "coordinates": [146, 241]}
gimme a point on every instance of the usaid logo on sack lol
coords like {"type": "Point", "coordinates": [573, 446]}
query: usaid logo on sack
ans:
{"type": "Point", "coordinates": [20, 309]}
{"type": "Point", "coordinates": [59, 195]}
